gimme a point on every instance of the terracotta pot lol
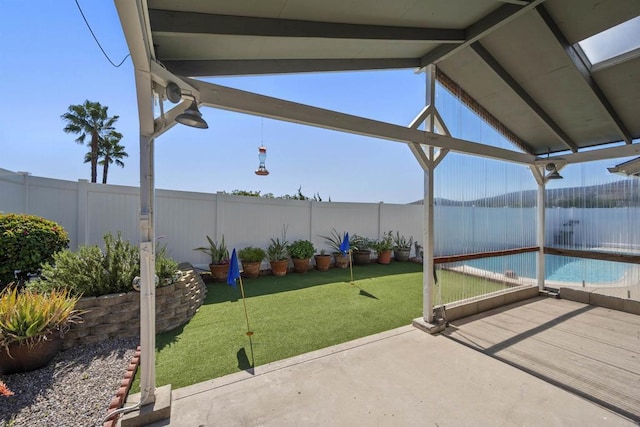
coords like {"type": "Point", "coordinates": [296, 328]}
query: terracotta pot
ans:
{"type": "Point", "coordinates": [384, 257]}
{"type": "Point", "coordinates": [401, 254]}
{"type": "Point", "coordinates": [300, 265]}
{"type": "Point", "coordinates": [251, 269]}
{"type": "Point", "coordinates": [342, 261]}
{"type": "Point", "coordinates": [219, 272]}
{"type": "Point", "coordinates": [361, 257]}
{"type": "Point", "coordinates": [18, 357]}
{"type": "Point", "coordinates": [322, 262]}
{"type": "Point", "coordinates": [279, 268]}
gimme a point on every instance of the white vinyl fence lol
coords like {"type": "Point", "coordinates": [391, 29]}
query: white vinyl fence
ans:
{"type": "Point", "coordinates": [183, 219]}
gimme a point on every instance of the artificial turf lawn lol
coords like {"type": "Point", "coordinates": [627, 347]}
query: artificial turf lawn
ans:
{"type": "Point", "coordinates": [295, 314]}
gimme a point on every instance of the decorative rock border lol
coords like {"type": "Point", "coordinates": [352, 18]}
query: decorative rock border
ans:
{"type": "Point", "coordinates": [118, 315]}
{"type": "Point", "coordinates": [123, 390]}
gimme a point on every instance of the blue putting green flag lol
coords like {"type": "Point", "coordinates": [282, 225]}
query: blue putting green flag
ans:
{"type": "Point", "coordinates": [234, 270]}
{"type": "Point", "coordinates": [344, 246]}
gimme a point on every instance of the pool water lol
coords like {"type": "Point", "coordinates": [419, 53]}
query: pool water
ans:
{"type": "Point", "coordinates": [559, 268]}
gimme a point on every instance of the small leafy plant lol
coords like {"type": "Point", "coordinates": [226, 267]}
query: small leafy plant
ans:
{"type": "Point", "coordinates": [301, 249]}
{"type": "Point", "coordinates": [218, 253]}
{"type": "Point", "coordinates": [251, 254]}
{"type": "Point", "coordinates": [385, 243]}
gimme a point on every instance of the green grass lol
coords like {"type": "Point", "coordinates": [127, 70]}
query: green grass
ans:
{"type": "Point", "coordinates": [295, 314]}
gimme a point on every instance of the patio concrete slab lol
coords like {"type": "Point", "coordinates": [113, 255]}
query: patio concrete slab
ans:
{"type": "Point", "coordinates": [402, 377]}
{"type": "Point", "coordinates": [591, 351]}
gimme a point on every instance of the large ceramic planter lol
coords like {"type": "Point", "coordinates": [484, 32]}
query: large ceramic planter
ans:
{"type": "Point", "coordinates": [251, 269]}
{"type": "Point", "coordinates": [18, 357]}
{"type": "Point", "coordinates": [361, 257]}
{"type": "Point", "coordinates": [300, 265]}
{"type": "Point", "coordinates": [323, 262]}
{"type": "Point", "coordinates": [279, 268]}
{"type": "Point", "coordinates": [401, 254]}
{"type": "Point", "coordinates": [342, 261]}
{"type": "Point", "coordinates": [384, 257]}
{"type": "Point", "coordinates": [219, 272]}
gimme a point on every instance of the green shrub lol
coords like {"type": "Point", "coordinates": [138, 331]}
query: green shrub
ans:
{"type": "Point", "coordinates": [166, 267]}
{"type": "Point", "coordinates": [251, 254]}
{"type": "Point", "coordinates": [92, 272]}
{"type": "Point", "coordinates": [301, 249]}
{"type": "Point", "coordinates": [26, 241]}
{"type": "Point", "coordinates": [89, 271]}
{"type": "Point", "coordinates": [121, 264]}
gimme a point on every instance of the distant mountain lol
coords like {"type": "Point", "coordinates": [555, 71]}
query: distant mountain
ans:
{"type": "Point", "coordinates": [623, 193]}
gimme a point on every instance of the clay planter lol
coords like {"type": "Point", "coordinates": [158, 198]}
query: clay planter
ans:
{"type": "Point", "coordinates": [279, 268]}
{"type": "Point", "coordinates": [401, 254]}
{"type": "Point", "coordinates": [300, 265]}
{"type": "Point", "coordinates": [251, 269]}
{"type": "Point", "coordinates": [361, 257]}
{"type": "Point", "coordinates": [219, 272]}
{"type": "Point", "coordinates": [342, 261]}
{"type": "Point", "coordinates": [22, 358]}
{"type": "Point", "coordinates": [384, 257]}
{"type": "Point", "coordinates": [322, 262]}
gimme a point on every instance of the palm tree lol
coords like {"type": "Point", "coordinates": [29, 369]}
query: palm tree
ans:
{"type": "Point", "coordinates": [91, 119]}
{"type": "Point", "coordinates": [109, 151]}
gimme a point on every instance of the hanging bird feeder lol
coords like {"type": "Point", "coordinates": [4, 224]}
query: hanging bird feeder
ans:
{"type": "Point", "coordinates": [262, 155]}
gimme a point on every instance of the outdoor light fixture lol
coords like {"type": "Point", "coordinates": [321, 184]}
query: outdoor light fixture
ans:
{"type": "Point", "coordinates": [553, 171]}
{"type": "Point", "coordinates": [192, 116]}
{"type": "Point", "coordinates": [630, 168]}
{"type": "Point", "coordinates": [262, 155]}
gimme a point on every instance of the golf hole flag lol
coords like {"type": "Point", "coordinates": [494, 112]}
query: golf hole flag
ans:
{"type": "Point", "coordinates": [234, 270]}
{"type": "Point", "coordinates": [344, 246]}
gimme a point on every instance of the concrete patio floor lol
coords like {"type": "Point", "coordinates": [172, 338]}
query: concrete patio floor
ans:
{"type": "Point", "coordinates": [406, 377]}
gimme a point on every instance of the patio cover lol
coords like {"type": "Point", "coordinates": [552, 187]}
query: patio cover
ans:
{"type": "Point", "coordinates": [514, 62]}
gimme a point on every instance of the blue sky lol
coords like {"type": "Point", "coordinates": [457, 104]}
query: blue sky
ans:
{"type": "Point", "coordinates": [49, 61]}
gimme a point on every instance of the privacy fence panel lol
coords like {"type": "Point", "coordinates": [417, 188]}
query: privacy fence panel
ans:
{"type": "Point", "coordinates": [184, 219]}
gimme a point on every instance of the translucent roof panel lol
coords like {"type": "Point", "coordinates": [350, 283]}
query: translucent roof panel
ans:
{"type": "Point", "coordinates": [613, 42]}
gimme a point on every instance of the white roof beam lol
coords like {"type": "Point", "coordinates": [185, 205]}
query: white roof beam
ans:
{"type": "Point", "coordinates": [601, 154]}
{"type": "Point", "coordinates": [166, 21]}
{"type": "Point", "coordinates": [210, 68]}
{"type": "Point", "coordinates": [246, 102]}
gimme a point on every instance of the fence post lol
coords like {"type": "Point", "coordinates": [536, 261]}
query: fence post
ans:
{"type": "Point", "coordinates": [218, 219]}
{"type": "Point", "coordinates": [83, 214]}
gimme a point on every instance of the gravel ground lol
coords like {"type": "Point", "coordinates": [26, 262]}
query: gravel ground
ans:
{"type": "Point", "coordinates": [75, 389]}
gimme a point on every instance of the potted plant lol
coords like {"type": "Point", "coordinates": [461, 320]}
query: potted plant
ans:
{"type": "Point", "coordinates": [334, 241]}
{"type": "Point", "coordinates": [251, 258]}
{"type": "Point", "coordinates": [383, 247]}
{"type": "Point", "coordinates": [360, 246]}
{"type": "Point", "coordinates": [301, 252]}
{"type": "Point", "coordinates": [402, 247]}
{"type": "Point", "coordinates": [219, 265]}
{"type": "Point", "coordinates": [32, 325]}
{"type": "Point", "coordinates": [323, 260]}
{"type": "Point", "coordinates": [278, 256]}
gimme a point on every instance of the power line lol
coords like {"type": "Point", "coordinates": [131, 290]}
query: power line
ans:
{"type": "Point", "coordinates": [96, 39]}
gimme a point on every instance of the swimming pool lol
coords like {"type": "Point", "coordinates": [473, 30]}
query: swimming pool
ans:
{"type": "Point", "coordinates": [559, 268]}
